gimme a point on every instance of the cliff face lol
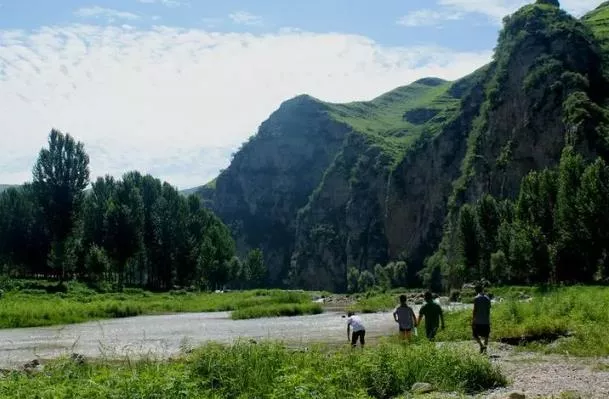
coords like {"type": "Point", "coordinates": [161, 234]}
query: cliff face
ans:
{"type": "Point", "coordinates": [272, 176]}
{"type": "Point", "coordinates": [323, 187]}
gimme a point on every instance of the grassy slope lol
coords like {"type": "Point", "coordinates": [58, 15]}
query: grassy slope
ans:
{"type": "Point", "coordinates": [382, 119]}
{"type": "Point", "coordinates": [598, 21]}
{"type": "Point", "coordinates": [265, 370]}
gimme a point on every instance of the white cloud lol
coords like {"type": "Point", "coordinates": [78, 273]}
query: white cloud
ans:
{"type": "Point", "coordinates": [177, 102]}
{"type": "Point", "coordinates": [495, 10]}
{"type": "Point", "coordinates": [245, 18]}
{"type": "Point", "coordinates": [101, 12]}
{"type": "Point", "coordinates": [168, 3]}
{"type": "Point", "coordinates": [427, 17]}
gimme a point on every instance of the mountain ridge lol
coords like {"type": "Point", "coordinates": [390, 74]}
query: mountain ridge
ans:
{"type": "Point", "coordinates": [324, 187]}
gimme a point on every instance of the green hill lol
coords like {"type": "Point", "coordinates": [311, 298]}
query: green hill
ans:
{"type": "Point", "coordinates": [325, 187]}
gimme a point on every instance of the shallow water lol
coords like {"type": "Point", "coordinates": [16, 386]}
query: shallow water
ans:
{"type": "Point", "coordinates": [165, 335]}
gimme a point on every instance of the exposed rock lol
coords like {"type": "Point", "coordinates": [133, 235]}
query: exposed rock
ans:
{"type": "Point", "coordinates": [78, 358]}
{"type": "Point", "coordinates": [516, 395]}
{"type": "Point", "coordinates": [324, 187]}
{"type": "Point", "coordinates": [421, 387]}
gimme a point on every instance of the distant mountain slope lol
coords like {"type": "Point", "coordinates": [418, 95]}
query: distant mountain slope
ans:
{"type": "Point", "coordinates": [323, 187]}
{"type": "Point", "coordinates": [5, 186]}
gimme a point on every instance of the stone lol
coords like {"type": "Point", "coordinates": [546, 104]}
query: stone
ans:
{"type": "Point", "coordinates": [516, 395]}
{"type": "Point", "coordinates": [444, 300]}
{"type": "Point", "coordinates": [422, 387]}
{"type": "Point", "coordinates": [78, 358]}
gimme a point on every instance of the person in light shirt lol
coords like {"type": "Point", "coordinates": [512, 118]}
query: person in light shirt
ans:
{"type": "Point", "coordinates": [359, 331]}
{"type": "Point", "coordinates": [405, 317]}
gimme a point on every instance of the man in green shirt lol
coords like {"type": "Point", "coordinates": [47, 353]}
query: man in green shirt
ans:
{"type": "Point", "coordinates": [434, 317]}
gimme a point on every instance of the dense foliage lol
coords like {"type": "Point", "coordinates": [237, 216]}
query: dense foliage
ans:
{"type": "Point", "coordinates": [135, 231]}
{"type": "Point", "coordinates": [555, 231]}
{"type": "Point", "coordinates": [266, 370]}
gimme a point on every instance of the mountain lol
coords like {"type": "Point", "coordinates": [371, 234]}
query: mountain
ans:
{"type": "Point", "coordinates": [323, 187]}
{"type": "Point", "coordinates": [5, 186]}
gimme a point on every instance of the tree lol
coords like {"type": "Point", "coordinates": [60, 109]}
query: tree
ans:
{"type": "Point", "coordinates": [382, 276]}
{"type": "Point", "coordinates": [60, 177]}
{"type": "Point", "coordinates": [554, 3]}
{"type": "Point", "coordinates": [594, 217]}
{"type": "Point", "coordinates": [488, 220]}
{"type": "Point", "coordinates": [500, 268]}
{"type": "Point", "coordinates": [24, 242]}
{"type": "Point", "coordinates": [257, 268]}
{"type": "Point", "coordinates": [365, 281]}
{"type": "Point", "coordinates": [469, 240]}
{"type": "Point", "coordinates": [124, 221]}
{"type": "Point", "coordinates": [399, 277]}
{"type": "Point", "coordinates": [352, 280]}
{"type": "Point", "coordinates": [567, 225]}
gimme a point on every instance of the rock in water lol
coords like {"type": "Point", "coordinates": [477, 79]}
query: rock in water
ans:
{"type": "Point", "coordinates": [516, 395]}
{"type": "Point", "coordinates": [422, 387]}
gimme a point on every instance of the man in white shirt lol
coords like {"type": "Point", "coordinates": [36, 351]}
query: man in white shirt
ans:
{"type": "Point", "coordinates": [359, 331]}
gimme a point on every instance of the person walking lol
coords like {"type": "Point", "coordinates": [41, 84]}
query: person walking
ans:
{"type": "Point", "coordinates": [434, 317]}
{"type": "Point", "coordinates": [359, 331]}
{"type": "Point", "coordinates": [481, 318]}
{"type": "Point", "coordinates": [405, 317]}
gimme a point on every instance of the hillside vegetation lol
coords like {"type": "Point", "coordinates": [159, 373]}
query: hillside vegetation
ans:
{"type": "Point", "coordinates": [326, 190]}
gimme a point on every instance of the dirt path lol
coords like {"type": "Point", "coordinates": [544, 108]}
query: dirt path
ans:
{"type": "Point", "coordinates": [536, 375]}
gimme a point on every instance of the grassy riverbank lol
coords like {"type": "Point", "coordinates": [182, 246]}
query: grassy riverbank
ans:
{"type": "Point", "coordinates": [542, 322]}
{"type": "Point", "coordinates": [264, 371]}
{"type": "Point", "coordinates": [35, 307]}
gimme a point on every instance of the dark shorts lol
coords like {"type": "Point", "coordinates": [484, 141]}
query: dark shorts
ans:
{"type": "Point", "coordinates": [358, 334]}
{"type": "Point", "coordinates": [402, 329]}
{"type": "Point", "coordinates": [481, 330]}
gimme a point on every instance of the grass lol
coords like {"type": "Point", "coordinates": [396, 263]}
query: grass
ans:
{"type": "Point", "coordinates": [385, 120]}
{"type": "Point", "coordinates": [277, 310]}
{"type": "Point", "coordinates": [266, 370]}
{"type": "Point", "coordinates": [577, 312]}
{"type": "Point", "coordinates": [598, 21]}
{"type": "Point", "coordinates": [32, 308]}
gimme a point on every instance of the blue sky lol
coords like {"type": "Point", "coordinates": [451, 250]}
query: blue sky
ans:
{"type": "Point", "coordinates": [155, 85]}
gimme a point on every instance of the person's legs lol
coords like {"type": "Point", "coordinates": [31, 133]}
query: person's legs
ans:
{"type": "Point", "coordinates": [431, 333]}
{"type": "Point", "coordinates": [362, 338]}
{"type": "Point", "coordinates": [485, 334]}
{"type": "Point", "coordinates": [354, 336]}
{"type": "Point", "coordinates": [476, 335]}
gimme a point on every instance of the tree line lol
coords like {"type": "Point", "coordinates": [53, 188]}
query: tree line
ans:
{"type": "Point", "coordinates": [555, 231]}
{"type": "Point", "coordinates": [129, 232]}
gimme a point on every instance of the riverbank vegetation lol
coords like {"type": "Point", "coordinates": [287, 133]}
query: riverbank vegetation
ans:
{"type": "Point", "coordinates": [134, 232]}
{"type": "Point", "coordinates": [31, 307]}
{"type": "Point", "coordinates": [266, 370]}
{"type": "Point", "coordinates": [565, 320]}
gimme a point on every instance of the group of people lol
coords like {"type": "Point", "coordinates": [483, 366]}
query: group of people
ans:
{"type": "Point", "coordinates": [433, 315]}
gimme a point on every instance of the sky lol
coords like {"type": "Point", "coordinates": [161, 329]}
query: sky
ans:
{"type": "Point", "coordinates": [173, 87]}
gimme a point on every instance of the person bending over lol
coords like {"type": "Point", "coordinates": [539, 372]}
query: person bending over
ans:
{"type": "Point", "coordinates": [359, 331]}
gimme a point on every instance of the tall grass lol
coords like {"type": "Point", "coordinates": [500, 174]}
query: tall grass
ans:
{"type": "Point", "coordinates": [265, 370]}
{"type": "Point", "coordinates": [277, 310]}
{"type": "Point", "coordinates": [578, 311]}
{"type": "Point", "coordinates": [30, 308]}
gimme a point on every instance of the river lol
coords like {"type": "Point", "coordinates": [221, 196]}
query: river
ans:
{"type": "Point", "coordinates": [165, 335]}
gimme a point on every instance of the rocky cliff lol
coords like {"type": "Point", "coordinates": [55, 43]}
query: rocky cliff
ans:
{"type": "Point", "coordinates": [323, 187]}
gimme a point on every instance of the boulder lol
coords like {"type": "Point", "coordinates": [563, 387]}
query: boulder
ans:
{"type": "Point", "coordinates": [516, 395]}
{"type": "Point", "coordinates": [422, 387]}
